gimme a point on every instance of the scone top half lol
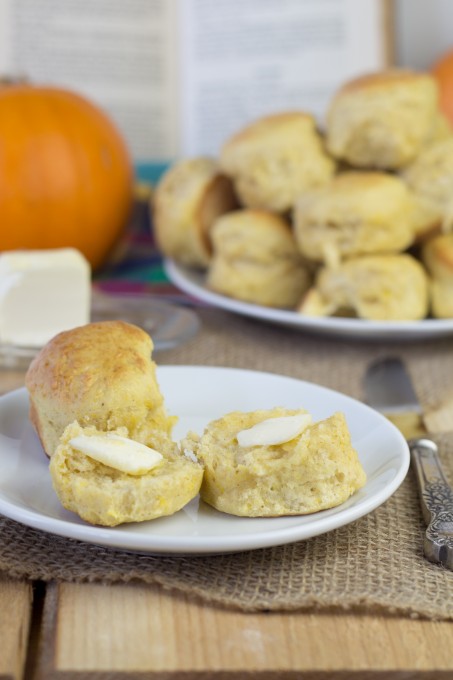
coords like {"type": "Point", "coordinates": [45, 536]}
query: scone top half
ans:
{"type": "Point", "coordinates": [100, 374]}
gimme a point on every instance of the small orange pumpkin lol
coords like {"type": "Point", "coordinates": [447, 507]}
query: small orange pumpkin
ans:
{"type": "Point", "coordinates": [66, 178]}
{"type": "Point", "coordinates": [443, 73]}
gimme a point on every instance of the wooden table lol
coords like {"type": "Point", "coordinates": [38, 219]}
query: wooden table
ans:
{"type": "Point", "coordinates": [125, 631]}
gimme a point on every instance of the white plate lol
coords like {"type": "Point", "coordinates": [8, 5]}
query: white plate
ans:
{"type": "Point", "coordinates": [192, 282]}
{"type": "Point", "coordinates": [197, 395]}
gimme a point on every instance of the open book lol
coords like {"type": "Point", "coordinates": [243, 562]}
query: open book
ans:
{"type": "Point", "coordinates": [180, 76]}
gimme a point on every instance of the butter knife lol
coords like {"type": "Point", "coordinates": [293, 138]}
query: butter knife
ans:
{"type": "Point", "coordinates": [388, 389]}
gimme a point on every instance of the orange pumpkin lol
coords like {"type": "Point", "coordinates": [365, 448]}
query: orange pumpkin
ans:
{"type": "Point", "coordinates": [65, 174]}
{"type": "Point", "coordinates": [443, 73]}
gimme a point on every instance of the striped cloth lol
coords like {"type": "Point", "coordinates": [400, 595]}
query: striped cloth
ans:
{"type": "Point", "coordinates": [136, 265]}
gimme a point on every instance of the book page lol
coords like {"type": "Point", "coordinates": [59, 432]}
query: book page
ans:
{"type": "Point", "coordinates": [121, 55]}
{"type": "Point", "coordinates": [180, 76]}
{"type": "Point", "coordinates": [245, 58]}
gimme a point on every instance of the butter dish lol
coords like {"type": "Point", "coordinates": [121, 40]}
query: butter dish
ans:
{"type": "Point", "coordinates": [167, 323]}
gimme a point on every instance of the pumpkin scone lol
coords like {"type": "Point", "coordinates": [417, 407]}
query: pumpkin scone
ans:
{"type": "Point", "coordinates": [188, 199]}
{"type": "Point", "coordinates": [100, 374]}
{"type": "Point", "coordinates": [437, 256]}
{"type": "Point", "coordinates": [382, 120]}
{"type": "Point", "coordinates": [430, 178]}
{"type": "Point", "coordinates": [108, 479]}
{"type": "Point", "coordinates": [357, 213]}
{"type": "Point", "coordinates": [276, 462]}
{"type": "Point", "coordinates": [275, 159]}
{"type": "Point", "coordinates": [374, 287]}
{"type": "Point", "coordinates": [255, 259]}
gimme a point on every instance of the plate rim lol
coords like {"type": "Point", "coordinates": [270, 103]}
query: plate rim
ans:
{"type": "Point", "coordinates": [183, 277]}
{"type": "Point", "coordinates": [139, 542]}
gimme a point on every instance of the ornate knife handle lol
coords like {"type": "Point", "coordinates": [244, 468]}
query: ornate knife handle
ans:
{"type": "Point", "coordinates": [436, 501]}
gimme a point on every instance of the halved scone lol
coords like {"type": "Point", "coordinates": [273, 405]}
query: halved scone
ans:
{"type": "Point", "coordinates": [314, 468]}
{"type": "Point", "coordinates": [102, 494]}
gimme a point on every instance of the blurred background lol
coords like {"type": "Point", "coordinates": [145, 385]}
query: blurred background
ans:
{"type": "Point", "coordinates": [178, 77]}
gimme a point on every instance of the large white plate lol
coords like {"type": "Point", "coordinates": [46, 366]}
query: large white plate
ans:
{"type": "Point", "coordinates": [197, 395]}
{"type": "Point", "coordinates": [192, 282]}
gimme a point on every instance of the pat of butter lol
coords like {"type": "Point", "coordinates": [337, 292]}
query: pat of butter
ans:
{"type": "Point", "coordinates": [274, 430]}
{"type": "Point", "coordinates": [42, 292]}
{"type": "Point", "coordinates": [118, 452]}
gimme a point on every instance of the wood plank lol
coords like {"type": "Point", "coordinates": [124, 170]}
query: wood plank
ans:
{"type": "Point", "coordinates": [121, 630]}
{"type": "Point", "coordinates": [15, 617]}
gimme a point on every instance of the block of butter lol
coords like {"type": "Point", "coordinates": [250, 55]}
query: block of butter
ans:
{"type": "Point", "coordinates": [42, 292]}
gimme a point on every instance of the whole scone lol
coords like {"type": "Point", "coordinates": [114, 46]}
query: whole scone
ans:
{"type": "Point", "coordinates": [382, 120]}
{"type": "Point", "coordinates": [314, 470]}
{"type": "Point", "coordinates": [100, 374]}
{"type": "Point", "coordinates": [437, 256]}
{"type": "Point", "coordinates": [187, 200]}
{"type": "Point", "coordinates": [357, 213]}
{"type": "Point", "coordinates": [255, 259]}
{"type": "Point", "coordinates": [275, 159]}
{"type": "Point", "coordinates": [373, 287]}
{"type": "Point", "coordinates": [101, 494]}
{"type": "Point", "coordinates": [430, 178]}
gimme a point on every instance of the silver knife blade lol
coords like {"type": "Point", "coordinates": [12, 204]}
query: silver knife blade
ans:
{"type": "Point", "coordinates": [388, 389]}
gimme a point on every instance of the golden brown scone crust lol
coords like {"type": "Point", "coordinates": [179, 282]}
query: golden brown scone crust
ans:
{"type": "Point", "coordinates": [318, 469]}
{"type": "Point", "coordinates": [437, 256]}
{"type": "Point", "coordinates": [275, 159]}
{"type": "Point", "coordinates": [187, 200]}
{"type": "Point", "coordinates": [441, 129]}
{"type": "Point", "coordinates": [256, 260]}
{"type": "Point", "coordinates": [357, 213]}
{"type": "Point", "coordinates": [373, 287]}
{"type": "Point", "coordinates": [430, 178]}
{"type": "Point", "coordinates": [100, 374]}
{"type": "Point", "coordinates": [102, 495]}
{"type": "Point", "coordinates": [382, 120]}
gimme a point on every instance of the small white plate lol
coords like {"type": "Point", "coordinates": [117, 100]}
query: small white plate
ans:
{"type": "Point", "coordinates": [198, 395]}
{"type": "Point", "coordinates": [192, 282]}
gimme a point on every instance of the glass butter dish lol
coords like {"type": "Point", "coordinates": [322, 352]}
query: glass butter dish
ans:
{"type": "Point", "coordinates": [168, 324]}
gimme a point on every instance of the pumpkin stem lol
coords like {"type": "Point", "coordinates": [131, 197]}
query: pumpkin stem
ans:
{"type": "Point", "coordinates": [9, 81]}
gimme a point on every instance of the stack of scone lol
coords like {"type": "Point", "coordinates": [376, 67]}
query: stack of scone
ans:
{"type": "Point", "coordinates": [332, 224]}
{"type": "Point", "coordinates": [99, 413]}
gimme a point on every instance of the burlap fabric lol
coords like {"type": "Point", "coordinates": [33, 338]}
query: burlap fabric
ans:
{"type": "Point", "coordinates": [375, 564]}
